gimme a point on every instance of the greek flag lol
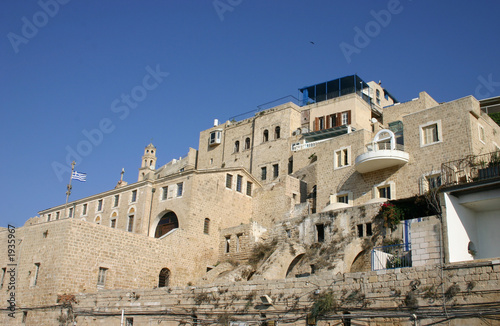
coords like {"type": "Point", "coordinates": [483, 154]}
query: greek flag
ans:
{"type": "Point", "coordinates": [79, 176]}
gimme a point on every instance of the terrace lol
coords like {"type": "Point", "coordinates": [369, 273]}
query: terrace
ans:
{"type": "Point", "coordinates": [472, 168]}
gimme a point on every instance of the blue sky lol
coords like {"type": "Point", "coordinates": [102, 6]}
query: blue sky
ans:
{"type": "Point", "coordinates": [161, 71]}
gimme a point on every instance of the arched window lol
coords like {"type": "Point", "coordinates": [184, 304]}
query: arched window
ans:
{"type": "Point", "coordinates": [265, 136]}
{"type": "Point", "coordinates": [97, 220]}
{"type": "Point", "coordinates": [130, 226]}
{"type": "Point", "coordinates": [167, 223]}
{"type": "Point", "coordinates": [206, 226]}
{"type": "Point", "coordinates": [247, 143]}
{"type": "Point", "coordinates": [114, 217]}
{"type": "Point", "coordinates": [164, 278]}
{"type": "Point", "coordinates": [277, 132]}
{"type": "Point", "coordinates": [237, 146]}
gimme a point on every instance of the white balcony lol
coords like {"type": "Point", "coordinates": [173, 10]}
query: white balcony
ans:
{"type": "Point", "coordinates": [382, 153]}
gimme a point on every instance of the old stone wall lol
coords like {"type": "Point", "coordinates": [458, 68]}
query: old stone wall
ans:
{"type": "Point", "coordinates": [360, 110]}
{"type": "Point", "coordinates": [398, 111]}
{"type": "Point", "coordinates": [455, 292]}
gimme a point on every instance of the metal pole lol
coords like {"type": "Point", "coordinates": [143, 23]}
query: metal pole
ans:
{"type": "Point", "coordinates": [151, 208]}
{"type": "Point", "coordinates": [68, 192]}
{"type": "Point", "coordinates": [123, 311]}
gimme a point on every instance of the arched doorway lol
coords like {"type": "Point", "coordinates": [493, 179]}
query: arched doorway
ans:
{"type": "Point", "coordinates": [167, 223]}
{"type": "Point", "coordinates": [293, 269]}
{"type": "Point", "coordinates": [362, 262]}
{"type": "Point", "coordinates": [164, 278]}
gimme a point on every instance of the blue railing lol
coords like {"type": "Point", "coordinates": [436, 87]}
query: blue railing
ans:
{"type": "Point", "coordinates": [393, 256]}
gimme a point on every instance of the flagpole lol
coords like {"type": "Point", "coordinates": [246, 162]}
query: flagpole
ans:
{"type": "Point", "coordinates": [68, 192]}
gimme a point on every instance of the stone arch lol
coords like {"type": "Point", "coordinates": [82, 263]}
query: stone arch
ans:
{"type": "Point", "coordinates": [131, 210]}
{"type": "Point", "coordinates": [97, 219]}
{"type": "Point", "coordinates": [164, 278]}
{"type": "Point", "coordinates": [164, 223]}
{"type": "Point", "coordinates": [362, 262]}
{"type": "Point", "coordinates": [292, 268]}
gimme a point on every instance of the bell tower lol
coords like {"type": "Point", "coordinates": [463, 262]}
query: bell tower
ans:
{"type": "Point", "coordinates": [148, 162]}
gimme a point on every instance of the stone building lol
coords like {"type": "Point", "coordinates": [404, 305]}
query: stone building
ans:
{"type": "Point", "coordinates": [293, 191]}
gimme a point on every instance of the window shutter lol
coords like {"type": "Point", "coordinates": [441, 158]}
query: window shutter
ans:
{"type": "Point", "coordinates": [349, 117]}
{"type": "Point", "coordinates": [339, 119]}
{"type": "Point", "coordinates": [316, 124]}
{"type": "Point", "coordinates": [328, 118]}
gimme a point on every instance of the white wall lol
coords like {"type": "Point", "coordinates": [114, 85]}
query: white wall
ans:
{"type": "Point", "coordinates": [461, 227]}
{"type": "Point", "coordinates": [488, 227]}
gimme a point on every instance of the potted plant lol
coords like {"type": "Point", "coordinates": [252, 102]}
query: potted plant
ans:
{"type": "Point", "coordinates": [493, 167]}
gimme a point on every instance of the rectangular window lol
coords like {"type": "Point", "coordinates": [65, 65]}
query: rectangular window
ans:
{"type": "Point", "coordinates": [57, 215]}
{"type": "Point", "coordinates": [70, 212]}
{"type": "Point", "coordinates": [320, 232]}
{"type": "Point", "coordinates": [321, 123]}
{"type": "Point", "coordinates": [99, 205]}
{"type": "Point", "coordinates": [130, 223]}
{"type": "Point", "coordinates": [84, 209]}
{"type": "Point", "coordinates": [369, 231]}
{"type": "Point", "coordinates": [275, 171]}
{"type": "Point", "coordinates": [179, 189]}
{"type": "Point", "coordinates": [129, 321]}
{"type": "Point", "coordinates": [101, 277]}
{"type": "Point", "coordinates": [4, 270]}
{"type": "Point", "coordinates": [239, 182]}
{"type": "Point", "coordinates": [345, 118]}
{"type": "Point", "coordinates": [384, 192]}
{"type": "Point", "coordinates": [249, 188]}
{"type": "Point", "coordinates": [113, 223]}
{"type": "Point", "coordinates": [117, 199]}
{"type": "Point", "coordinates": [482, 137]}
{"type": "Point", "coordinates": [238, 241]}
{"type": "Point", "coordinates": [430, 133]}
{"type": "Point", "coordinates": [342, 158]}
{"type": "Point", "coordinates": [263, 173]}
{"type": "Point", "coordinates": [164, 193]}
{"type": "Point", "coordinates": [25, 316]}
{"type": "Point", "coordinates": [35, 277]}
{"type": "Point", "coordinates": [134, 196]}
{"type": "Point", "coordinates": [227, 244]}
{"type": "Point", "coordinates": [48, 218]}
{"type": "Point", "coordinates": [360, 230]}
{"type": "Point", "coordinates": [343, 199]}
{"type": "Point", "coordinates": [433, 181]}
{"type": "Point", "coordinates": [229, 181]}
{"type": "Point", "coordinates": [331, 121]}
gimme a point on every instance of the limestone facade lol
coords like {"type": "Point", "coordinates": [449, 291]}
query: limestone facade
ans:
{"type": "Point", "coordinates": [290, 178]}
